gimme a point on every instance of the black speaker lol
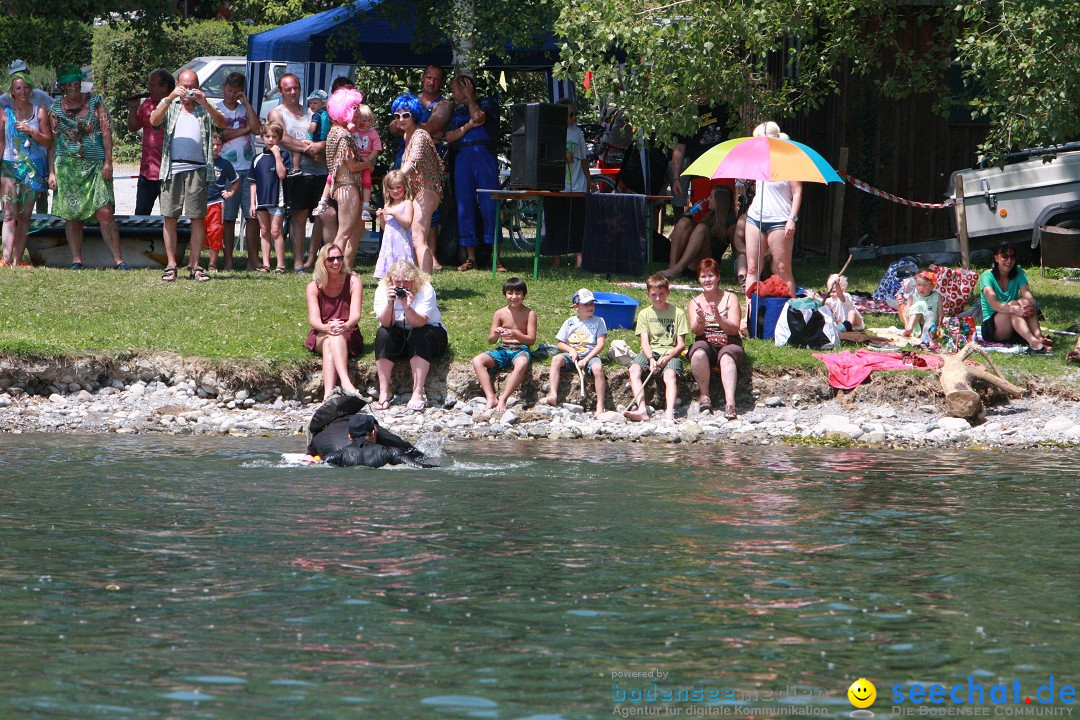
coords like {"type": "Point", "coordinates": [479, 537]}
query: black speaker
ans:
{"type": "Point", "coordinates": [537, 146]}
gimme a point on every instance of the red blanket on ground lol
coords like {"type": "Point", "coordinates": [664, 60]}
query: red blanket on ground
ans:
{"type": "Point", "coordinates": [848, 369]}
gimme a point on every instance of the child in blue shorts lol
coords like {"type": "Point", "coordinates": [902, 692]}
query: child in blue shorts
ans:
{"type": "Point", "coordinates": [514, 329]}
{"type": "Point", "coordinates": [581, 339]}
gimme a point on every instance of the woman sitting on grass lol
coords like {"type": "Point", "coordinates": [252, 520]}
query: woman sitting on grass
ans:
{"type": "Point", "coordinates": [1010, 313]}
{"type": "Point", "coordinates": [714, 319]}
{"type": "Point", "coordinates": [410, 327]}
{"type": "Point", "coordinates": [334, 300]}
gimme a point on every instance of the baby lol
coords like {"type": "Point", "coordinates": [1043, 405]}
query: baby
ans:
{"type": "Point", "coordinates": [841, 305]}
{"type": "Point", "coordinates": [925, 308]}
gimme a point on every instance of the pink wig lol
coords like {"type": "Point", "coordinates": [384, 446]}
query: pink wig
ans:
{"type": "Point", "coordinates": [343, 104]}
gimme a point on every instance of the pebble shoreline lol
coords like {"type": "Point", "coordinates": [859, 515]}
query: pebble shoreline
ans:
{"type": "Point", "coordinates": [186, 407]}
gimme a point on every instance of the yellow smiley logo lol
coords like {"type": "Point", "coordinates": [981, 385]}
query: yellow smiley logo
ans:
{"type": "Point", "coordinates": [862, 693]}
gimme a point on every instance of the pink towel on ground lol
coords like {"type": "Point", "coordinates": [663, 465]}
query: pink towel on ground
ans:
{"type": "Point", "coordinates": [848, 369]}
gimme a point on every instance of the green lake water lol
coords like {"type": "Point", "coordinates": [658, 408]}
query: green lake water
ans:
{"type": "Point", "coordinates": [156, 577]}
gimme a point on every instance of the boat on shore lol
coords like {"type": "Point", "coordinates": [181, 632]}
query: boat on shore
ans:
{"type": "Point", "coordinates": [141, 242]}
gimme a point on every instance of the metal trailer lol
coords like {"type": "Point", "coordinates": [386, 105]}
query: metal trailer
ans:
{"type": "Point", "coordinates": [1033, 199]}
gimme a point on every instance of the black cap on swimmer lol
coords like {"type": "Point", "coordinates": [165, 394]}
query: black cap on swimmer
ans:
{"type": "Point", "coordinates": [361, 425]}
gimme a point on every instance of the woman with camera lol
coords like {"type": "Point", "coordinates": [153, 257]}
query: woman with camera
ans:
{"type": "Point", "coordinates": [410, 327]}
{"type": "Point", "coordinates": [334, 299]}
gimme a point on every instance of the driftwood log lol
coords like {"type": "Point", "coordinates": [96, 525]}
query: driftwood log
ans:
{"type": "Point", "coordinates": [956, 378]}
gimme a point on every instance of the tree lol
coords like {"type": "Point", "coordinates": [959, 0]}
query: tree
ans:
{"type": "Point", "coordinates": [779, 57]}
{"type": "Point", "coordinates": [776, 57]}
{"type": "Point", "coordinates": [477, 29]}
{"type": "Point", "coordinates": [1020, 61]}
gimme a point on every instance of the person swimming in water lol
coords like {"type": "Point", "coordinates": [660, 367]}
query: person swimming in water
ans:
{"type": "Point", "coordinates": [339, 434]}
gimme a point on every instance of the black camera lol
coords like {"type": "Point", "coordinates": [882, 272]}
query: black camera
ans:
{"type": "Point", "coordinates": [400, 292]}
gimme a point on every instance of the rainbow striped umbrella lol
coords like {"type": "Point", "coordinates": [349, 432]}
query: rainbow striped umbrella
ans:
{"type": "Point", "coordinates": [763, 158]}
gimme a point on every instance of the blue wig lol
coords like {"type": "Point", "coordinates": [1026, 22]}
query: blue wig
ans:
{"type": "Point", "coordinates": [410, 102]}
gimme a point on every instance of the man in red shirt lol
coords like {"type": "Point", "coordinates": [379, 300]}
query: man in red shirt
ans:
{"type": "Point", "coordinates": [158, 85]}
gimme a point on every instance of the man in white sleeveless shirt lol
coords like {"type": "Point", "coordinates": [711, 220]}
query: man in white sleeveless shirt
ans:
{"type": "Point", "coordinates": [302, 192]}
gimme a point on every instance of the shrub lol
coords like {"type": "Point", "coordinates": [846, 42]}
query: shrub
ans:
{"type": "Point", "coordinates": [124, 55]}
{"type": "Point", "coordinates": [45, 41]}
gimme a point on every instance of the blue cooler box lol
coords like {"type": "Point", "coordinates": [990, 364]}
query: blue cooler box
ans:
{"type": "Point", "coordinates": [617, 310]}
{"type": "Point", "coordinates": [767, 311]}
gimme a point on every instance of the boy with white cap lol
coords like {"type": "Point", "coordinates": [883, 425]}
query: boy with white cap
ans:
{"type": "Point", "coordinates": [581, 339]}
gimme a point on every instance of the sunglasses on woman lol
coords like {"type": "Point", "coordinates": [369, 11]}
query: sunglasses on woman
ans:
{"type": "Point", "coordinates": [402, 115]}
{"type": "Point", "coordinates": [335, 259]}
{"type": "Point", "coordinates": [1008, 256]}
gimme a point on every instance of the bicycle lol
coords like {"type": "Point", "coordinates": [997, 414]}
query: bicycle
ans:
{"type": "Point", "coordinates": [516, 216]}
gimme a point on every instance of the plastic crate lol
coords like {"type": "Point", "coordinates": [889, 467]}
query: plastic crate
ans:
{"type": "Point", "coordinates": [616, 309]}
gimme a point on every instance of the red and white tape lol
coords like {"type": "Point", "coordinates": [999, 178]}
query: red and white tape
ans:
{"type": "Point", "coordinates": [866, 188]}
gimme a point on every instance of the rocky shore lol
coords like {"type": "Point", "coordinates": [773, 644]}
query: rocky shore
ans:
{"type": "Point", "coordinates": [155, 395]}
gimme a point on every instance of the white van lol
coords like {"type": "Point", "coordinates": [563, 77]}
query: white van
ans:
{"type": "Point", "coordinates": [212, 71]}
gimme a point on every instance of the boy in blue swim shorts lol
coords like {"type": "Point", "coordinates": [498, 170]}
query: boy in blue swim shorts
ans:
{"type": "Point", "coordinates": [581, 339]}
{"type": "Point", "coordinates": [514, 329]}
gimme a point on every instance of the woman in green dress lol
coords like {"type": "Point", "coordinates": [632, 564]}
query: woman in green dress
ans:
{"type": "Point", "coordinates": [81, 164]}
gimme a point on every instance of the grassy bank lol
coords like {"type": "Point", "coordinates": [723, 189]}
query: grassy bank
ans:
{"type": "Point", "coordinates": [262, 320]}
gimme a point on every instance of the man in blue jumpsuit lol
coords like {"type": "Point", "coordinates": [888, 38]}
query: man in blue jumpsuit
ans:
{"type": "Point", "coordinates": [473, 136]}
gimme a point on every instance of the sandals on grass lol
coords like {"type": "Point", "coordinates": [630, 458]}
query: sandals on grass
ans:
{"type": "Point", "coordinates": [198, 274]}
{"type": "Point", "coordinates": [169, 275]}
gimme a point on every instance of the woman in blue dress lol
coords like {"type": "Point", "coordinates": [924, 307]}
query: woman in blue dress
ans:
{"type": "Point", "coordinates": [25, 172]}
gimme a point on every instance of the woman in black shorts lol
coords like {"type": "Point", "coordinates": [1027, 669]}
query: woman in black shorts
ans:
{"type": "Point", "coordinates": [714, 319]}
{"type": "Point", "coordinates": [410, 328]}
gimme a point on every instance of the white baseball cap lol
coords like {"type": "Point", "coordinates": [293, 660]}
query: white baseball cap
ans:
{"type": "Point", "coordinates": [583, 296]}
{"type": "Point", "coordinates": [17, 66]}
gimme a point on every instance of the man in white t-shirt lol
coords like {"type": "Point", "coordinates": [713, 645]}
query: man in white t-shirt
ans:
{"type": "Point", "coordinates": [187, 167]}
{"type": "Point", "coordinates": [242, 126]}
{"type": "Point", "coordinates": [303, 190]}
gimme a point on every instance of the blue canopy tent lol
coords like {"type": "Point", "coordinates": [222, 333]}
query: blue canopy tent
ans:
{"type": "Point", "coordinates": [326, 45]}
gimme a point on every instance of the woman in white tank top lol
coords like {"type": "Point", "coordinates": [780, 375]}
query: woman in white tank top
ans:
{"type": "Point", "coordinates": [771, 219]}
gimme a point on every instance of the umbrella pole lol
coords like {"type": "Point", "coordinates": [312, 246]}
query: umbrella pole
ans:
{"type": "Point", "coordinates": [762, 239]}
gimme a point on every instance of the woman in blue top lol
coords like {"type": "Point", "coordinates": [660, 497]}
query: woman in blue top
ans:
{"type": "Point", "coordinates": [1010, 313]}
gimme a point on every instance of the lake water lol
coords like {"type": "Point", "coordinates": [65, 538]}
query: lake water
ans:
{"type": "Point", "coordinates": [158, 577]}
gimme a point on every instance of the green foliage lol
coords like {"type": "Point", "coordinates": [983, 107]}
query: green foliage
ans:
{"type": "Point", "coordinates": [88, 11]}
{"type": "Point", "coordinates": [124, 54]}
{"type": "Point", "coordinates": [774, 59]}
{"type": "Point", "coordinates": [478, 29]}
{"type": "Point", "coordinates": [1022, 55]}
{"type": "Point", "coordinates": [45, 41]}
{"type": "Point", "coordinates": [279, 12]}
